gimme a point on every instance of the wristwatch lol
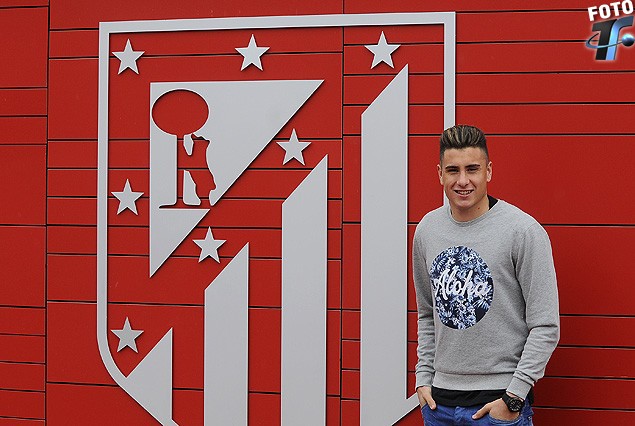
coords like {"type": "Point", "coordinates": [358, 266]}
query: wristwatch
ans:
{"type": "Point", "coordinates": [514, 403]}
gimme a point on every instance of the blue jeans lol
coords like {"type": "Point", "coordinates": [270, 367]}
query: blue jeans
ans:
{"type": "Point", "coordinates": [455, 416]}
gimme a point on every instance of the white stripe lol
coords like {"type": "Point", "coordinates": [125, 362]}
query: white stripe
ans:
{"type": "Point", "coordinates": [304, 229]}
{"type": "Point", "coordinates": [226, 340]}
{"type": "Point", "coordinates": [384, 256]}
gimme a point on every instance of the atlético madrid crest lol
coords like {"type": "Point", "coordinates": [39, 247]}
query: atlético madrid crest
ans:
{"type": "Point", "coordinates": [221, 208]}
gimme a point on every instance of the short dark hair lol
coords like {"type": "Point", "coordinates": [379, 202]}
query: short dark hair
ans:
{"type": "Point", "coordinates": [462, 136]}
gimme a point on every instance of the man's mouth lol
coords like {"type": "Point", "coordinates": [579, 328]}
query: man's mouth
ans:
{"type": "Point", "coordinates": [465, 192]}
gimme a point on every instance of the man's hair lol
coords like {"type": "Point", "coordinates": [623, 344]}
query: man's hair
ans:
{"type": "Point", "coordinates": [463, 136]}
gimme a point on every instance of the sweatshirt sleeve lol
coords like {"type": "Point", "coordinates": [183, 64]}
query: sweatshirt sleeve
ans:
{"type": "Point", "coordinates": [425, 323]}
{"type": "Point", "coordinates": [537, 277]}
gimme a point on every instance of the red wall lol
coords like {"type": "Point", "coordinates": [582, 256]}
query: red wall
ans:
{"type": "Point", "coordinates": [561, 142]}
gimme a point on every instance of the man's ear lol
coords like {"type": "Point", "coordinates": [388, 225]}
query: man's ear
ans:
{"type": "Point", "coordinates": [489, 171]}
{"type": "Point", "coordinates": [440, 172]}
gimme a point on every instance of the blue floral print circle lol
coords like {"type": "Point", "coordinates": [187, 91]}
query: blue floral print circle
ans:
{"type": "Point", "coordinates": [462, 286]}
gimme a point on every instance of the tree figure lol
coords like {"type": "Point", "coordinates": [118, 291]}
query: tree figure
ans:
{"type": "Point", "coordinates": [183, 113]}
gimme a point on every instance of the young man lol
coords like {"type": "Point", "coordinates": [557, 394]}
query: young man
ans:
{"type": "Point", "coordinates": [486, 296]}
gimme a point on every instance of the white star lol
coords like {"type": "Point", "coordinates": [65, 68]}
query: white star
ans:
{"type": "Point", "coordinates": [128, 58]}
{"type": "Point", "coordinates": [127, 336]}
{"type": "Point", "coordinates": [127, 198]}
{"type": "Point", "coordinates": [382, 51]}
{"type": "Point", "coordinates": [251, 54]}
{"type": "Point", "coordinates": [293, 148]}
{"type": "Point", "coordinates": [209, 246]}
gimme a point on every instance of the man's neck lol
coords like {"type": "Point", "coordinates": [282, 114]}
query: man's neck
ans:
{"type": "Point", "coordinates": [476, 211]}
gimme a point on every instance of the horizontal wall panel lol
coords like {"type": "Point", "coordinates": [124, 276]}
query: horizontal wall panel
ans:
{"type": "Point", "coordinates": [516, 88]}
{"type": "Point", "coordinates": [351, 324]}
{"type": "Point", "coordinates": [413, 418]}
{"type": "Point", "coordinates": [15, 320]}
{"type": "Point", "coordinates": [271, 157]}
{"type": "Point", "coordinates": [350, 410]}
{"type": "Point", "coordinates": [75, 154]}
{"type": "Point", "coordinates": [71, 239]}
{"type": "Point", "coordinates": [135, 154]}
{"type": "Point", "coordinates": [350, 384]}
{"type": "Point", "coordinates": [130, 240]}
{"type": "Point", "coordinates": [71, 277]}
{"type": "Point", "coordinates": [528, 88]}
{"type": "Point", "coordinates": [584, 290]}
{"type": "Point", "coordinates": [522, 119]}
{"type": "Point", "coordinates": [265, 327]}
{"type": "Point", "coordinates": [592, 363]}
{"type": "Point", "coordinates": [12, 421]}
{"type": "Point", "coordinates": [23, 172]}
{"type": "Point", "coordinates": [108, 405]}
{"type": "Point", "coordinates": [72, 92]}
{"type": "Point", "coordinates": [69, 14]}
{"type": "Point", "coordinates": [265, 407]}
{"type": "Point", "coordinates": [72, 211]}
{"type": "Point", "coordinates": [585, 393]}
{"type": "Point", "coordinates": [523, 26]}
{"type": "Point", "coordinates": [420, 58]}
{"type": "Point", "coordinates": [81, 182]}
{"type": "Point", "coordinates": [597, 331]}
{"type": "Point", "coordinates": [22, 404]}
{"type": "Point", "coordinates": [352, 179]}
{"type": "Point", "coordinates": [368, 6]}
{"type": "Point", "coordinates": [25, 3]}
{"type": "Point", "coordinates": [350, 354]}
{"type": "Point", "coordinates": [278, 184]}
{"type": "Point", "coordinates": [395, 34]}
{"type": "Point", "coordinates": [538, 56]}
{"type": "Point", "coordinates": [14, 376]}
{"type": "Point", "coordinates": [74, 44]}
{"type": "Point", "coordinates": [22, 268]}
{"type": "Point", "coordinates": [23, 130]}
{"type": "Point", "coordinates": [249, 213]}
{"type": "Point", "coordinates": [351, 266]}
{"type": "Point", "coordinates": [16, 348]}
{"type": "Point", "coordinates": [559, 416]}
{"type": "Point", "coordinates": [259, 184]}
{"type": "Point", "coordinates": [424, 88]}
{"type": "Point", "coordinates": [23, 52]}
{"type": "Point", "coordinates": [609, 119]}
{"type": "Point", "coordinates": [17, 102]}
{"type": "Point", "coordinates": [287, 40]}
{"type": "Point", "coordinates": [333, 350]}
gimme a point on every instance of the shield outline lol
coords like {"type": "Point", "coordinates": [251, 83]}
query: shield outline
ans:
{"type": "Point", "coordinates": [447, 19]}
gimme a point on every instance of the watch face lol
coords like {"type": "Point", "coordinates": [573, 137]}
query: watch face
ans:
{"type": "Point", "coordinates": [514, 404]}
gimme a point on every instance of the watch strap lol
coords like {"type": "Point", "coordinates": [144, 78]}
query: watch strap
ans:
{"type": "Point", "coordinates": [514, 403]}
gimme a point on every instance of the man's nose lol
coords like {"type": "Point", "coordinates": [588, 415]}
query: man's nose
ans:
{"type": "Point", "coordinates": [463, 179]}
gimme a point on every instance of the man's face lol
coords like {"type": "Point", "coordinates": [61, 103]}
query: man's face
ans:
{"type": "Point", "coordinates": [464, 174]}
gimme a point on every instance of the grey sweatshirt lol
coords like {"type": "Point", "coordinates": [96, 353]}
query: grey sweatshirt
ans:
{"type": "Point", "coordinates": [487, 300]}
